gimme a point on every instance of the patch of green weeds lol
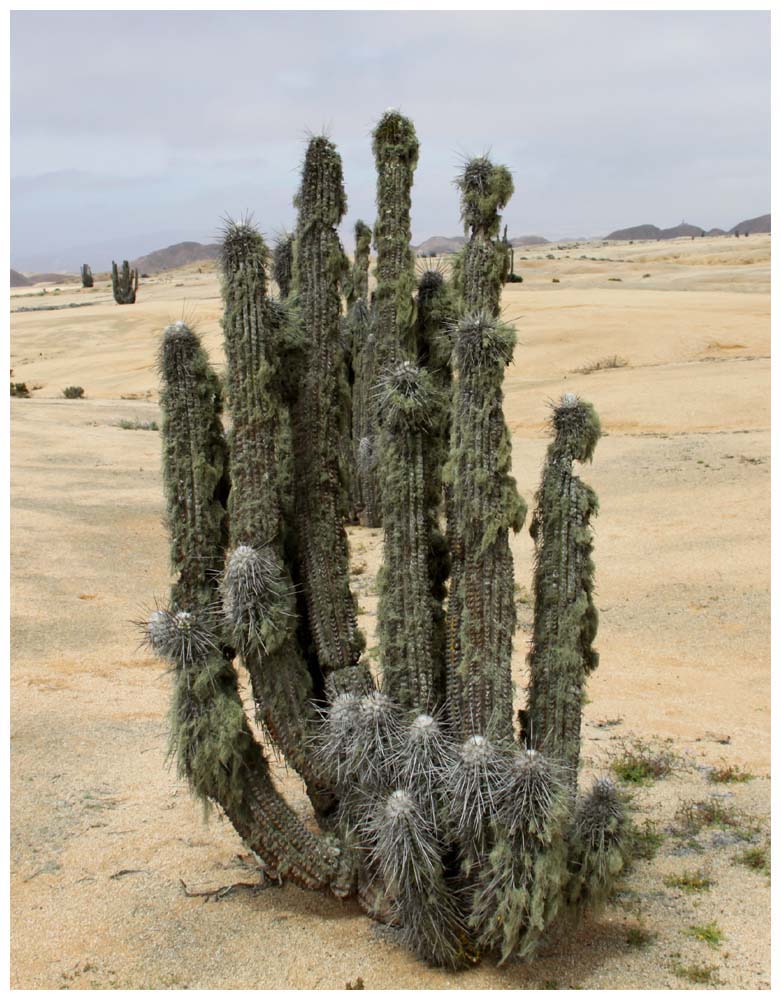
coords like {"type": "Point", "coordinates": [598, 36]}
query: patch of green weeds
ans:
{"type": "Point", "coordinates": [710, 933]}
{"type": "Point", "coordinates": [689, 881]}
{"type": "Point", "coordinates": [641, 763]}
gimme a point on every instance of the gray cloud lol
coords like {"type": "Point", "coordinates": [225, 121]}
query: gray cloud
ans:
{"type": "Point", "coordinates": [126, 123]}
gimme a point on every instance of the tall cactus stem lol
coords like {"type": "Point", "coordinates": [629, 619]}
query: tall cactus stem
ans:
{"type": "Point", "coordinates": [482, 265]}
{"type": "Point", "coordinates": [481, 612]}
{"type": "Point", "coordinates": [565, 619]}
{"type": "Point", "coordinates": [410, 410]}
{"type": "Point", "coordinates": [258, 594]}
{"type": "Point", "coordinates": [320, 412]}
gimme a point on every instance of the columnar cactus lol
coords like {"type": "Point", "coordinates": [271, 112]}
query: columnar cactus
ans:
{"type": "Point", "coordinates": [210, 737]}
{"type": "Point", "coordinates": [482, 265]}
{"type": "Point", "coordinates": [412, 667]}
{"type": "Point", "coordinates": [320, 412]}
{"type": "Point", "coordinates": [87, 281]}
{"type": "Point", "coordinates": [258, 593]}
{"type": "Point", "coordinates": [439, 818]}
{"type": "Point", "coordinates": [125, 284]}
{"type": "Point", "coordinates": [282, 264]}
{"type": "Point", "coordinates": [565, 618]}
{"type": "Point", "coordinates": [485, 507]}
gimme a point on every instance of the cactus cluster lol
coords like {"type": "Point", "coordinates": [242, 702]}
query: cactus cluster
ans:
{"type": "Point", "coordinates": [124, 283]}
{"type": "Point", "coordinates": [435, 811]}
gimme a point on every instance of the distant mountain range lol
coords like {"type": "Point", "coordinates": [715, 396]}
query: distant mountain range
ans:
{"type": "Point", "coordinates": [761, 224]}
{"type": "Point", "coordinates": [190, 252]}
{"type": "Point", "coordinates": [438, 245]}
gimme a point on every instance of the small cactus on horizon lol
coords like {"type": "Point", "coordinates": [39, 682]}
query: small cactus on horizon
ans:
{"type": "Point", "coordinates": [87, 281]}
{"type": "Point", "coordinates": [434, 810]}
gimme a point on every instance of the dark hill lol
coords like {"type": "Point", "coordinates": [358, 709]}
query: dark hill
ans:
{"type": "Point", "coordinates": [176, 256]}
{"type": "Point", "coordinates": [761, 224]}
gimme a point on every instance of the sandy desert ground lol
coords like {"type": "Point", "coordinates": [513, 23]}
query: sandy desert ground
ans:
{"type": "Point", "coordinates": [103, 833]}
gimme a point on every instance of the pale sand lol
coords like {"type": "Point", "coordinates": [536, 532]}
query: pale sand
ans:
{"type": "Point", "coordinates": [682, 556]}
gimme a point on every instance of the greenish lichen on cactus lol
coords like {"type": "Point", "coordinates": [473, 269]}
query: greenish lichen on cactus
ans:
{"type": "Point", "coordinates": [598, 844]}
{"type": "Point", "coordinates": [522, 878]}
{"type": "Point", "coordinates": [482, 266]}
{"type": "Point", "coordinates": [410, 412]}
{"type": "Point", "coordinates": [320, 412]}
{"type": "Point", "coordinates": [87, 281]}
{"type": "Point", "coordinates": [211, 739]}
{"type": "Point", "coordinates": [395, 147]}
{"type": "Point", "coordinates": [481, 612]}
{"type": "Point", "coordinates": [565, 618]}
{"type": "Point", "coordinates": [124, 284]}
{"type": "Point", "coordinates": [282, 264]}
{"type": "Point", "coordinates": [258, 594]}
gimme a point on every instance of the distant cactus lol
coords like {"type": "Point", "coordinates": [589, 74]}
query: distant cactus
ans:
{"type": "Point", "coordinates": [357, 284]}
{"type": "Point", "coordinates": [438, 815]}
{"type": "Point", "coordinates": [565, 617]}
{"type": "Point", "coordinates": [87, 281]}
{"type": "Point", "coordinates": [282, 264]}
{"type": "Point", "coordinates": [124, 284]}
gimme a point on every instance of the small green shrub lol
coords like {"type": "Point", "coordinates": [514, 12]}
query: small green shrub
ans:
{"type": "Point", "coordinates": [704, 975]}
{"type": "Point", "coordinates": [640, 763]}
{"type": "Point", "coordinates": [689, 881]}
{"type": "Point", "coordinates": [20, 389]}
{"type": "Point", "coordinates": [639, 936]}
{"type": "Point", "coordinates": [756, 858]}
{"type": "Point", "coordinates": [555, 281]}
{"type": "Point", "coordinates": [728, 774]}
{"type": "Point", "coordinates": [710, 933]}
{"type": "Point", "coordinates": [693, 816]}
{"type": "Point", "coordinates": [514, 278]}
{"type": "Point", "coordinates": [73, 392]}
{"type": "Point", "coordinates": [645, 841]}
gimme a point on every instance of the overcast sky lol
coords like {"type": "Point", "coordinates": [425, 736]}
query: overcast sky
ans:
{"type": "Point", "coordinates": [134, 130]}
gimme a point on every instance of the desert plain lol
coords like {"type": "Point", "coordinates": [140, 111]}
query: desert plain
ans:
{"type": "Point", "coordinates": [106, 842]}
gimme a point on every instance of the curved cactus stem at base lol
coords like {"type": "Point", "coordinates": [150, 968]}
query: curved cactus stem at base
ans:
{"type": "Point", "coordinates": [210, 737]}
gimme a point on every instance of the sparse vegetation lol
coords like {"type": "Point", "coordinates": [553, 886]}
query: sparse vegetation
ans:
{"type": "Point", "coordinates": [701, 975]}
{"type": "Point", "coordinates": [728, 774]}
{"type": "Point", "coordinates": [710, 933]}
{"type": "Point", "coordinates": [757, 858]}
{"type": "Point", "coordinates": [693, 816]}
{"type": "Point", "coordinates": [138, 425]}
{"type": "Point", "coordinates": [645, 840]}
{"type": "Point", "coordinates": [689, 881]}
{"type": "Point", "coordinates": [20, 390]}
{"type": "Point", "coordinates": [640, 762]}
{"type": "Point", "coordinates": [604, 364]}
{"type": "Point", "coordinates": [73, 392]}
{"type": "Point", "coordinates": [639, 936]}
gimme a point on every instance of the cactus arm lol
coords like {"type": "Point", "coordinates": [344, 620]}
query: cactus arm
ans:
{"type": "Point", "coordinates": [482, 267]}
{"type": "Point", "coordinates": [319, 413]}
{"type": "Point", "coordinates": [211, 740]}
{"type": "Point", "coordinates": [565, 618]}
{"type": "Point", "coordinates": [257, 590]}
{"type": "Point", "coordinates": [407, 609]}
{"type": "Point", "coordinates": [485, 506]}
